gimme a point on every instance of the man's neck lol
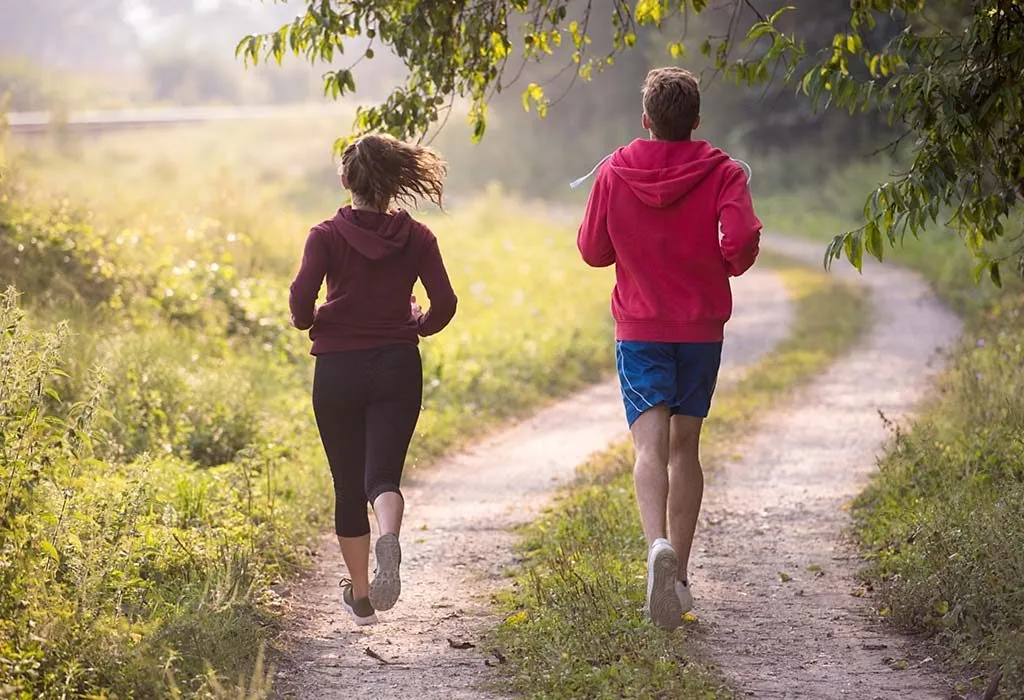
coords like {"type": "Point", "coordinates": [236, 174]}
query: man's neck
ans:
{"type": "Point", "coordinates": [652, 137]}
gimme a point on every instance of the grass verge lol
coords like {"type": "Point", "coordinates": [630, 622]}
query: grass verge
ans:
{"type": "Point", "coordinates": [942, 521]}
{"type": "Point", "coordinates": [573, 624]}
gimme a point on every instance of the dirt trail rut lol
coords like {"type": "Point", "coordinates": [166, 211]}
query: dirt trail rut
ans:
{"type": "Point", "coordinates": [457, 541]}
{"type": "Point", "coordinates": [779, 510]}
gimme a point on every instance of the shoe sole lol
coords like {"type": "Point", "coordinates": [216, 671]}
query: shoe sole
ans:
{"type": "Point", "coordinates": [387, 584]}
{"type": "Point", "coordinates": [357, 619]}
{"type": "Point", "coordinates": [662, 602]}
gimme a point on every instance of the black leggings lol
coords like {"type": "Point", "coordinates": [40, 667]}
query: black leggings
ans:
{"type": "Point", "coordinates": [366, 404]}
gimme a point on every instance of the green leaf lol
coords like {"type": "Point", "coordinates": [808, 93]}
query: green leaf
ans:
{"type": "Point", "coordinates": [758, 31]}
{"type": "Point", "coordinates": [779, 12]}
{"type": "Point", "coordinates": [993, 273]}
{"type": "Point", "coordinates": [242, 46]}
{"type": "Point", "coordinates": [873, 240]}
{"type": "Point", "coordinates": [649, 11]}
{"type": "Point", "coordinates": [533, 94]}
{"type": "Point", "coordinates": [978, 270]}
{"type": "Point", "coordinates": [854, 249]}
{"type": "Point", "coordinates": [49, 550]}
{"type": "Point", "coordinates": [833, 250]}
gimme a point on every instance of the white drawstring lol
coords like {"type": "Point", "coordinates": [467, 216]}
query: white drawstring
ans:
{"type": "Point", "coordinates": [580, 180]}
{"type": "Point", "coordinates": [746, 167]}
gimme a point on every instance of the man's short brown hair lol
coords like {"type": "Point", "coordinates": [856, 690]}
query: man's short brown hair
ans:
{"type": "Point", "coordinates": [671, 103]}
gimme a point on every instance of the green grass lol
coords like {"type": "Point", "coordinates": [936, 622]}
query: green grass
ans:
{"type": "Point", "coordinates": [573, 625]}
{"type": "Point", "coordinates": [160, 470]}
{"type": "Point", "coordinates": [943, 520]}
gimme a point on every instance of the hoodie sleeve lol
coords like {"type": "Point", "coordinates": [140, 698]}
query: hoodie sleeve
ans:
{"type": "Point", "coordinates": [306, 286]}
{"type": "Point", "coordinates": [741, 229]}
{"type": "Point", "coordinates": [593, 240]}
{"type": "Point", "coordinates": [439, 290]}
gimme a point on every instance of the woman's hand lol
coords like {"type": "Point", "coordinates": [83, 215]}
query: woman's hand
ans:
{"type": "Point", "coordinates": [417, 310]}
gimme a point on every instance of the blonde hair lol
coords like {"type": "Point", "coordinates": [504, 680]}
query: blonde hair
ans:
{"type": "Point", "coordinates": [380, 169]}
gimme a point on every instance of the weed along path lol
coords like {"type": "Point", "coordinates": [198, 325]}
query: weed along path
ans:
{"type": "Point", "coordinates": [776, 579]}
{"type": "Point", "coordinates": [458, 542]}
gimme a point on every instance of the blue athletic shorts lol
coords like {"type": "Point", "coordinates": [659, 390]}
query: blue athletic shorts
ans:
{"type": "Point", "coordinates": [680, 375]}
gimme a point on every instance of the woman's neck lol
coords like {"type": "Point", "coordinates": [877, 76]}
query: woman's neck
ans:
{"type": "Point", "coordinates": [360, 205]}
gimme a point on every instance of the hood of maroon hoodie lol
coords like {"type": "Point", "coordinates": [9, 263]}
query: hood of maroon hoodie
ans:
{"type": "Point", "coordinates": [659, 173]}
{"type": "Point", "coordinates": [372, 234]}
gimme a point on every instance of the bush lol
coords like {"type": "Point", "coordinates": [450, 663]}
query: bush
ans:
{"type": "Point", "coordinates": [222, 418]}
{"type": "Point", "coordinates": [55, 258]}
{"type": "Point", "coordinates": [178, 395]}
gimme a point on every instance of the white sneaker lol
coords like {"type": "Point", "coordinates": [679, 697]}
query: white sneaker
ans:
{"type": "Point", "coordinates": [663, 605]}
{"type": "Point", "coordinates": [685, 596]}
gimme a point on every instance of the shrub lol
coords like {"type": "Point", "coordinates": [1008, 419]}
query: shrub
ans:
{"type": "Point", "coordinates": [55, 258]}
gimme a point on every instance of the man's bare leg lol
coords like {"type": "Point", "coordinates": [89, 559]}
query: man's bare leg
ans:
{"type": "Point", "coordinates": [686, 487]}
{"type": "Point", "coordinates": [650, 477]}
{"type": "Point", "coordinates": [650, 473]}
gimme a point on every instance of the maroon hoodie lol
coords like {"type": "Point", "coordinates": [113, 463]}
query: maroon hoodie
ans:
{"type": "Point", "coordinates": [371, 261]}
{"type": "Point", "coordinates": [676, 220]}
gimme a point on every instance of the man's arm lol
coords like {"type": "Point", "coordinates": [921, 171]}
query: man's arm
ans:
{"type": "Point", "coordinates": [741, 229]}
{"type": "Point", "coordinates": [593, 240]}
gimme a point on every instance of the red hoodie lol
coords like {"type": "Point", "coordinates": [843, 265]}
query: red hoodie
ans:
{"type": "Point", "coordinates": [655, 213]}
{"type": "Point", "coordinates": [371, 261]}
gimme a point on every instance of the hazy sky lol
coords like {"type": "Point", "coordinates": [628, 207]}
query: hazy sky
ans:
{"type": "Point", "coordinates": [265, 16]}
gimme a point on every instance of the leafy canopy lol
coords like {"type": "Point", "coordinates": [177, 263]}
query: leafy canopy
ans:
{"type": "Point", "coordinates": [949, 80]}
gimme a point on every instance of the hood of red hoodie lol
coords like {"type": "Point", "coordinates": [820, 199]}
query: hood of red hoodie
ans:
{"type": "Point", "coordinates": [660, 173]}
{"type": "Point", "coordinates": [373, 235]}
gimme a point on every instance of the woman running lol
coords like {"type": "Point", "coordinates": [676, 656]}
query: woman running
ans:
{"type": "Point", "coordinates": [368, 382]}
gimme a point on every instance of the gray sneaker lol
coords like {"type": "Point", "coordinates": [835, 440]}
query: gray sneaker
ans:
{"type": "Point", "coordinates": [663, 605]}
{"type": "Point", "coordinates": [685, 596]}
{"type": "Point", "coordinates": [387, 584]}
{"type": "Point", "coordinates": [360, 609]}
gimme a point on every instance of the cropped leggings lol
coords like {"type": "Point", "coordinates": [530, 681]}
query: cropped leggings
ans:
{"type": "Point", "coordinates": [367, 403]}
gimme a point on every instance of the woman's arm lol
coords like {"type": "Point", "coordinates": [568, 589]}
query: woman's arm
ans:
{"type": "Point", "coordinates": [439, 289]}
{"type": "Point", "coordinates": [310, 277]}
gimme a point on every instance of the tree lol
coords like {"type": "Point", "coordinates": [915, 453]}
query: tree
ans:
{"type": "Point", "coordinates": [946, 73]}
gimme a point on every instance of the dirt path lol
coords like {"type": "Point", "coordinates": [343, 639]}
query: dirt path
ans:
{"type": "Point", "coordinates": [780, 510]}
{"type": "Point", "coordinates": [457, 541]}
